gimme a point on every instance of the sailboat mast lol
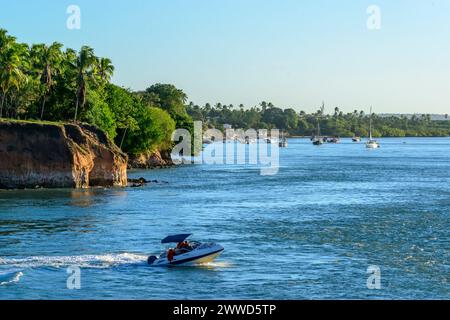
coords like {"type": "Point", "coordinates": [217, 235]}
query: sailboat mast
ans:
{"type": "Point", "coordinates": [370, 124]}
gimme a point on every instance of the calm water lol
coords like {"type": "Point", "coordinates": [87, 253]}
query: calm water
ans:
{"type": "Point", "coordinates": [310, 231]}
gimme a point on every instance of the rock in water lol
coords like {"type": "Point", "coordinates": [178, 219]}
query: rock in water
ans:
{"type": "Point", "coordinates": [135, 183]}
{"type": "Point", "coordinates": [58, 155]}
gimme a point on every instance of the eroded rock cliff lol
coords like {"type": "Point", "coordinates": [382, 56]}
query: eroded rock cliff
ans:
{"type": "Point", "coordinates": [57, 156]}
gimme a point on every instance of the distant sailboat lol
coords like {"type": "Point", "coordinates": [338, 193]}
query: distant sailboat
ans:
{"type": "Point", "coordinates": [371, 143]}
{"type": "Point", "coordinates": [283, 143]}
{"type": "Point", "coordinates": [317, 140]}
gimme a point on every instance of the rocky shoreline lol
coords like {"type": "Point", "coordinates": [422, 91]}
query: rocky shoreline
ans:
{"type": "Point", "coordinates": [151, 160]}
{"type": "Point", "coordinates": [140, 182]}
{"type": "Point", "coordinates": [54, 155]}
{"type": "Point", "coordinates": [37, 155]}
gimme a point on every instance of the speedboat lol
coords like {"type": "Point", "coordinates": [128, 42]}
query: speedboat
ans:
{"type": "Point", "coordinates": [186, 253]}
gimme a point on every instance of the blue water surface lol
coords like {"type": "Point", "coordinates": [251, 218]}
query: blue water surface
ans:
{"type": "Point", "coordinates": [308, 232]}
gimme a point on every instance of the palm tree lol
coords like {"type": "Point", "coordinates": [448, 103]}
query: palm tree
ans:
{"type": "Point", "coordinates": [5, 40]}
{"type": "Point", "coordinates": [85, 65]}
{"type": "Point", "coordinates": [49, 60]}
{"type": "Point", "coordinates": [105, 69]}
{"type": "Point", "coordinates": [5, 43]}
{"type": "Point", "coordinates": [10, 71]}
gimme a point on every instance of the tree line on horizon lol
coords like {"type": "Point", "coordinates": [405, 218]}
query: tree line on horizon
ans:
{"type": "Point", "coordinates": [356, 123]}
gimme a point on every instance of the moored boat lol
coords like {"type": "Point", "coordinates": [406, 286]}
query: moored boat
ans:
{"type": "Point", "coordinates": [317, 140]}
{"type": "Point", "coordinates": [371, 143]}
{"type": "Point", "coordinates": [283, 143]}
{"type": "Point", "coordinates": [333, 140]}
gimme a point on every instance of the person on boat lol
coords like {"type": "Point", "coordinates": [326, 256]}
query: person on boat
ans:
{"type": "Point", "coordinates": [170, 255]}
{"type": "Point", "coordinates": [182, 245]}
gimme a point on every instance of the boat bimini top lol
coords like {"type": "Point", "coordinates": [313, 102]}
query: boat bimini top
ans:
{"type": "Point", "coordinates": [176, 238]}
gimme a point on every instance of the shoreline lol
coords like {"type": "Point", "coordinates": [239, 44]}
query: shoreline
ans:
{"type": "Point", "coordinates": [343, 137]}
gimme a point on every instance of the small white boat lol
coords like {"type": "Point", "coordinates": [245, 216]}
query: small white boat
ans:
{"type": "Point", "coordinates": [334, 140]}
{"type": "Point", "coordinates": [371, 143]}
{"type": "Point", "coordinates": [283, 143]}
{"type": "Point", "coordinates": [317, 141]}
{"type": "Point", "coordinates": [247, 140]}
{"type": "Point", "coordinates": [186, 253]}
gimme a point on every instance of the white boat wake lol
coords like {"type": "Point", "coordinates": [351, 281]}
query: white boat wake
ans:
{"type": "Point", "coordinates": [83, 261]}
{"type": "Point", "coordinates": [10, 278]}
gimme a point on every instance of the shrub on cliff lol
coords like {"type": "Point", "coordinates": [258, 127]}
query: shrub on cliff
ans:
{"type": "Point", "coordinates": [155, 127]}
{"type": "Point", "coordinates": [100, 114]}
{"type": "Point", "coordinates": [171, 99]}
{"type": "Point", "coordinates": [139, 126]}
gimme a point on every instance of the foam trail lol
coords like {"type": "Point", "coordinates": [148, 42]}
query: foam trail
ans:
{"type": "Point", "coordinates": [85, 261]}
{"type": "Point", "coordinates": [15, 278]}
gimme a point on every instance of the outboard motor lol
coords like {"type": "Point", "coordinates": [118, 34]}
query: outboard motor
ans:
{"type": "Point", "coordinates": [151, 259]}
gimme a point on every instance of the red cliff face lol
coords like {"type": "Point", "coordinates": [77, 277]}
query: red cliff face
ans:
{"type": "Point", "coordinates": [58, 156]}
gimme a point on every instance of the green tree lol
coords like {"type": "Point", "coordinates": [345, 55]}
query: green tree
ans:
{"type": "Point", "coordinates": [105, 69]}
{"type": "Point", "coordinates": [48, 60]}
{"type": "Point", "coordinates": [85, 66]}
{"type": "Point", "coordinates": [155, 127]}
{"type": "Point", "coordinates": [171, 99]}
{"type": "Point", "coordinates": [11, 74]}
{"type": "Point", "coordinates": [100, 114]}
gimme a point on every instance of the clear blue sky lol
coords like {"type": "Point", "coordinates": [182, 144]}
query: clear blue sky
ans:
{"type": "Point", "coordinates": [294, 53]}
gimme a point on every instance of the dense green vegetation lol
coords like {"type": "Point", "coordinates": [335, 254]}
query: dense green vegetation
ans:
{"type": "Point", "coordinates": [267, 116]}
{"type": "Point", "coordinates": [45, 82]}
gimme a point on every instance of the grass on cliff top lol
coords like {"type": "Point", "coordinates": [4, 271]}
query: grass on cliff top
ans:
{"type": "Point", "coordinates": [55, 123]}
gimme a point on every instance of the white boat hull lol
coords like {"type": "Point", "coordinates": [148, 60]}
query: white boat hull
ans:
{"type": "Point", "coordinates": [372, 145]}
